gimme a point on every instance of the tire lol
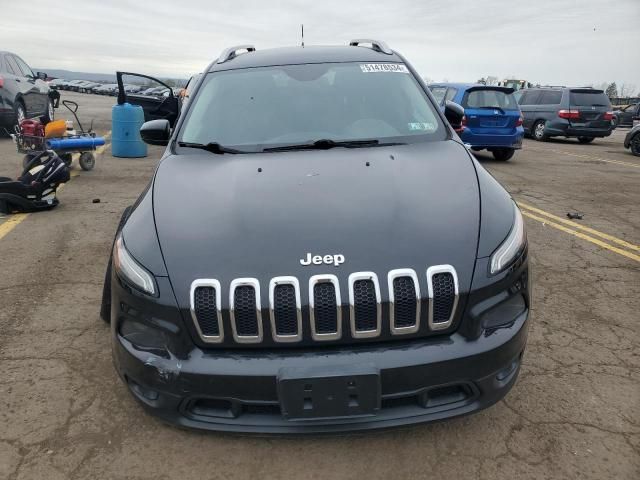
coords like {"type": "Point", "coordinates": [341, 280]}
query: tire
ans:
{"type": "Point", "coordinates": [634, 145]}
{"type": "Point", "coordinates": [585, 139]}
{"type": "Point", "coordinates": [20, 111]}
{"type": "Point", "coordinates": [105, 307]}
{"type": "Point", "coordinates": [503, 154]}
{"type": "Point", "coordinates": [50, 114]}
{"type": "Point", "coordinates": [537, 131]}
{"type": "Point", "coordinates": [87, 161]}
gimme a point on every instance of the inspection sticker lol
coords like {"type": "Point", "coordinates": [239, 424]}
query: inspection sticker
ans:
{"type": "Point", "coordinates": [384, 67]}
{"type": "Point", "coordinates": [430, 127]}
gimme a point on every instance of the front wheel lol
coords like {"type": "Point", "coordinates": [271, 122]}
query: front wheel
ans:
{"type": "Point", "coordinates": [585, 139]}
{"type": "Point", "coordinates": [87, 161]}
{"type": "Point", "coordinates": [503, 154]}
{"type": "Point", "coordinates": [538, 131]}
{"type": "Point", "coordinates": [635, 145]}
{"type": "Point", "coordinates": [50, 113]}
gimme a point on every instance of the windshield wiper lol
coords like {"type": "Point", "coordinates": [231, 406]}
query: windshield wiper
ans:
{"type": "Point", "coordinates": [212, 147]}
{"type": "Point", "coordinates": [325, 144]}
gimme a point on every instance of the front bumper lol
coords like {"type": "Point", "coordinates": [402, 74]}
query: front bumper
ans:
{"type": "Point", "coordinates": [237, 391]}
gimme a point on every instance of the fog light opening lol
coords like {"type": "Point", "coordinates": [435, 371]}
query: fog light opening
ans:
{"type": "Point", "coordinates": [145, 394]}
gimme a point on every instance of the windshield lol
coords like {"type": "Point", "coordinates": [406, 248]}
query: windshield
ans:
{"type": "Point", "coordinates": [488, 98]}
{"type": "Point", "coordinates": [583, 98]}
{"type": "Point", "coordinates": [257, 108]}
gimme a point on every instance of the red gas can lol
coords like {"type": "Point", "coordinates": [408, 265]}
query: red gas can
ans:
{"type": "Point", "coordinates": [32, 128]}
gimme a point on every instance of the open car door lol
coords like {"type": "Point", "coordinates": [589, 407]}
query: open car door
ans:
{"type": "Point", "coordinates": [160, 103]}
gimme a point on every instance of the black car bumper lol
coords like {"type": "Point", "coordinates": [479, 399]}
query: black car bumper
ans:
{"type": "Point", "coordinates": [413, 382]}
{"type": "Point", "coordinates": [564, 129]}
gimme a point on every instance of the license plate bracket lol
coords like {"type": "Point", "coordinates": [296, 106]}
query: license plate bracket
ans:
{"type": "Point", "coordinates": [329, 392]}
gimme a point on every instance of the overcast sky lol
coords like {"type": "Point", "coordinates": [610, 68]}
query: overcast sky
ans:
{"type": "Point", "coordinates": [545, 41]}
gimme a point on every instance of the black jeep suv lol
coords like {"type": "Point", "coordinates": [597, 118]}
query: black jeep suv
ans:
{"type": "Point", "coordinates": [317, 252]}
{"type": "Point", "coordinates": [584, 113]}
{"type": "Point", "coordinates": [23, 94]}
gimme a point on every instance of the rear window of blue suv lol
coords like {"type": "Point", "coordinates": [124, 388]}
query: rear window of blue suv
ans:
{"type": "Point", "coordinates": [488, 98]}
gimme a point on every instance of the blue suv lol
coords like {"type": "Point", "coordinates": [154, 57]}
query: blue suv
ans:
{"type": "Point", "coordinates": [492, 119]}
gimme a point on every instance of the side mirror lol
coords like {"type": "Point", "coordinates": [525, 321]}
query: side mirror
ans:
{"type": "Point", "coordinates": [454, 114]}
{"type": "Point", "coordinates": [156, 132]}
{"type": "Point", "coordinates": [41, 75]}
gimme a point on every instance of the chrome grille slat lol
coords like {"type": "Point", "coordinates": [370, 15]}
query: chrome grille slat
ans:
{"type": "Point", "coordinates": [285, 309]}
{"type": "Point", "coordinates": [245, 311]}
{"type": "Point", "coordinates": [364, 305]}
{"type": "Point", "coordinates": [208, 332]}
{"type": "Point", "coordinates": [400, 308]}
{"type": "Point", "coordinates": [442, 283]}
{"type": "Point", "coordinates": [328, 312]}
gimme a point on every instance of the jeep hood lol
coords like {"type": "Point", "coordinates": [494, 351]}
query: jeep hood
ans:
{"type": "Point", "coordinates": [257, 215]}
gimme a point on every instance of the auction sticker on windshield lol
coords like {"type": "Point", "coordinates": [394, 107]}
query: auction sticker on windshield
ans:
{"type": "Point", "coordinates": [384, 67]}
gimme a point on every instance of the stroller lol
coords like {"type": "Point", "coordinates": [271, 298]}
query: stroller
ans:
{"type": "Point", "coordinates": [36, 188]}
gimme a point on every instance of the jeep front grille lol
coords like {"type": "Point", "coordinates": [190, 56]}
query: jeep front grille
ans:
{"type": "Point", "coordinates": [325, 307]}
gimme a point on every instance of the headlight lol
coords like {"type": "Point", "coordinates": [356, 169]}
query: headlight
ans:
{"type": "Point", "coordinates": [512, 246]}
{"type": "Point", "coordinates": [130, 270]}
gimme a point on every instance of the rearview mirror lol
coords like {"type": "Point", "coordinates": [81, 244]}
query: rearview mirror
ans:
{"type": "Point", "coordinates": [156, 132]}
{"type": "Point", "coordinates": [41, 75]}
{"type": "Point", "coordinates": [454, 114]}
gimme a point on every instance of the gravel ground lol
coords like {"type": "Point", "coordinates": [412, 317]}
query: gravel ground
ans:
{"type": "Point", "coordinates": [574, 412]}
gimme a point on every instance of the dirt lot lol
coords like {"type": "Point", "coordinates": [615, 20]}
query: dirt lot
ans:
{"type": "Point", "coordinates": [574, 412]}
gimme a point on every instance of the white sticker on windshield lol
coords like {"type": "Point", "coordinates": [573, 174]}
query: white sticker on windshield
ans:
{"type": "Point", "coordinates": [430, 127]}
{"type": "Point", "coordinates": [384, 67]}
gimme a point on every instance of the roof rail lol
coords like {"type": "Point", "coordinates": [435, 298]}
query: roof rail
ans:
{"type": "Point", "coordinates": [232, 52]}
{"type": "Point", "coordinates": [551, 86]}
{"type": "Point", "coordinates": [375, 45]}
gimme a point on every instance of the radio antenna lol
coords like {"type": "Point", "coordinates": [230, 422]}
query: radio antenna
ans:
{"type": "Point", "coordinates": [302, 27]}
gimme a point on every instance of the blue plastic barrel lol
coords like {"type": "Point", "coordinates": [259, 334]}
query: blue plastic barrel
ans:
{"type": "Point", "coordinates": [86, 143]}
{"type": "Point", "coordinates": [126, 120]}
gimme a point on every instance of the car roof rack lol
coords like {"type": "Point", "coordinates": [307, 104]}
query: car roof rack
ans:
{"type": "Point", "coordinates": [551, 86]}
{"type": "Point", "coordinates": [376, 45]}
{"type": "Point", "coordinates": [232, 52]}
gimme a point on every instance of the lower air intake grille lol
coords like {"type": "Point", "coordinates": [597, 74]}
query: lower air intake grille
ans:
{"type": "Point", "coordinates": [325, 308]}
{"type": "Point", "coordinates": [205, 310]}
{"type": "Point", "coordinates": [285, 310]}
{"type": "Point", "coordinates": [244, 306]}
{"type": "Point", "coordinates": [444, 295]}
{"type": "Point", "coordinates": [365, 305]}
{"type": "Point", "coordinates": [405, 303]}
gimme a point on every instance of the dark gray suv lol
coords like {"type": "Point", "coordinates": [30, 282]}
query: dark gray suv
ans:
{"type": "Point", "coordinates": [584, 113]}
{"type": "Point", "coordinates": [23, 94]}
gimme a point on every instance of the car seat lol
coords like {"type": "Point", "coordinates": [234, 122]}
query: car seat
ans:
{"type": "Point", "coordinates": [36, 188]}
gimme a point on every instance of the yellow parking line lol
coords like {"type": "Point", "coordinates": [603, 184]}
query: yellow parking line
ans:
{"type": "Point", "coordinates": [12, 223]}
{"type": "Point", "coordinates": [15, 219]}
{"type": "Point", "coordinates": [583, 236]}
{"type": "Point", "coordinates": [592, 231]}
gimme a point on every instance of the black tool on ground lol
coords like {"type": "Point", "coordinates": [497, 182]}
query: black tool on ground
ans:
{"type": "Point", "coordinates": [575, 215]}
{"type": "Point", "coordinates": [35, 189]}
